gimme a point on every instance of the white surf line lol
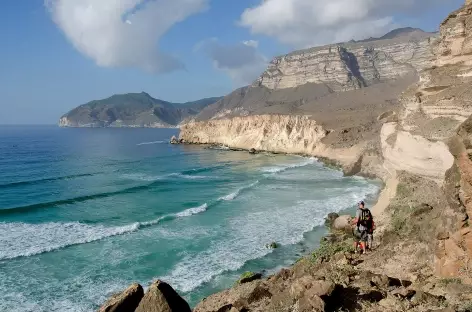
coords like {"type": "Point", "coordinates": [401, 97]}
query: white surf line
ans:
{"type": "Point", "coordinates": [235, 194]}
{"type": "Point", "coordinates": [150, 143]}
{"type": "Point", "coordinates": [56, 235]}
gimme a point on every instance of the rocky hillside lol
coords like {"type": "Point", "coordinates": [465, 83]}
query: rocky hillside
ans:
{"type": "Point", "coordinates": [346, 74]}
{"type": "Point", "coordinates": [421, 147]}
{"type": "Point", "coordinates": [132, 110]}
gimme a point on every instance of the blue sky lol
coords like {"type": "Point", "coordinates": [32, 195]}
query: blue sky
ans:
{"type": "Point", "coordinates": [72, 51]}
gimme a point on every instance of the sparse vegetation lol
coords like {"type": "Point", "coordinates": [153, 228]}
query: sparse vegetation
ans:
{"type": "Point", "coordinates": [447, 281]}
{"type": "Point", "coordinates": [328, 249]}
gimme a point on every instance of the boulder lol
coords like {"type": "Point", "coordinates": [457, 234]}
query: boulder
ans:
{"type": "Point", "coordinates": [174, 140]}
{"type": "Point", "coordinates": [252, 151]}
{"type": "Point", "coordinates": [272, 245]}
{"type": "Point", "coordinates": [310, 302]}
{"type": "Point", "coordinates": [329, 220]}
{"type": "Point", "coordinates": [161, 297]}
{"type": "Point", "coordinates": [126, 301]}
{"type": "Point", "coordinates": [342, 223]}
{"type": "Point", "coordinates": [308, 283]}
{"type": "Point", "coordinates": [252, 296]}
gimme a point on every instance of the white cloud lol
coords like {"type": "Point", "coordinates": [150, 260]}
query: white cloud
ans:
{"type": "Point", "coordinates": [304, 23]}
{"type": "Point", "coordinates": [242, 62]}
{"type": "Point", "coordinates": [123, 33]}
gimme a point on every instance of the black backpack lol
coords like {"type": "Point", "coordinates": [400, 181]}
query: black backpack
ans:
{"type": "Point", "coordinates": [365, 218]}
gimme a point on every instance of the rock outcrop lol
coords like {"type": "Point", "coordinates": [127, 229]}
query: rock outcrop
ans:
{"type": "Point", "coordinates": [126, 301]}
{"type": "Point", "coordinates": [160, 297]}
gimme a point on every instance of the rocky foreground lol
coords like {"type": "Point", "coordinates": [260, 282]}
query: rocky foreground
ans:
{"type": "Point", "coordinates": [421, 148]}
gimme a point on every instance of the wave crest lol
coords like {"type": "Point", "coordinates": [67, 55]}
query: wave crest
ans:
{"type": "Point", "coordinates": [20, 239]}
{"type": "Point", "coordinates": [278, 169]}
{"type": "Point", "coordinates": [151, 143]}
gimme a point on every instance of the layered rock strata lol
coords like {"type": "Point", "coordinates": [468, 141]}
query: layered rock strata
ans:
{"type": "Point", "coordinates": [348, 66]}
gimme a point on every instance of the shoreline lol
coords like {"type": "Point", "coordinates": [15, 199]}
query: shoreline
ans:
{"type": "Point", "coordinates": [379, 201]}
{"type": "Point", "coordinates": [322, 230]}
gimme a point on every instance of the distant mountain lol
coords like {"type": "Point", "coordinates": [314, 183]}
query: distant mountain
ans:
{"type": "Point", "coordinates": [133, 110]}
{"type": "Point", "coordinates": [405, 33]}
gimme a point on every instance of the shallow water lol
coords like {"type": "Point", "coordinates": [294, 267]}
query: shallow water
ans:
{"type": "Point", "coordinates": [86, 212]}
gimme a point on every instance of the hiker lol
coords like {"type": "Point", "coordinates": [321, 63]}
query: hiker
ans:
{"type": "Point", "coordinates": [363, 227]}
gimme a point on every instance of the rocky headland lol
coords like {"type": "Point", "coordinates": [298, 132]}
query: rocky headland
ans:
{"type": "Point", "coordinates": [133, 110]}
{"type": "Point", "coordinates": [412, 129]}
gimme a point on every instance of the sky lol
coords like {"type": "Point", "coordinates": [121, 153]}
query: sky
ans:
{"type": "Point", "coordinates": [58, 54]}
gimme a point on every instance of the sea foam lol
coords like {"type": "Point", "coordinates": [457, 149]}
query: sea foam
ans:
{"type": "Point", "coordinates": [19, 239]}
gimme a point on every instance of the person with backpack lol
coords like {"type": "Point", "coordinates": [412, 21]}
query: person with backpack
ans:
{"type": "Point", "coordinates": [363, 227]}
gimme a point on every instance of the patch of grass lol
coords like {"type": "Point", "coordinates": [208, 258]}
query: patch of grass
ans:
{"type": "Point", "coordinates": [447, 281]}
{"type": "Point", "coordinates": [403, 190]}
{"type": "Point", "coordinates": [327, 250]}
{"type": "Point", "coordinates": [467, 307]}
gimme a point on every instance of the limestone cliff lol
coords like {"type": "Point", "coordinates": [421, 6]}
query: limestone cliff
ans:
{"type": "Point", "coordinates": [348, 66]}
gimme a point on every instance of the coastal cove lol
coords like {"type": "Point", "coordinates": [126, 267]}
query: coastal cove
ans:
{"type": "Point", "coordinates": [124, 205]}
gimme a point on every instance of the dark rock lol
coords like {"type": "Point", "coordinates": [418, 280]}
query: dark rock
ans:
{"type": "Point", "coordinates": [249, 277]}
{"type": "Point", "coordinates": [161, 297]}
{"type": "Point", "coordinates": [174, 140]}
{"type": "Point", "coordinates": [443, 235]}
{"type": "Point", "coordinates": [373, 296]}
{"type": "Point", "coordinates": [126, 301]}
{"type": "Point", "coordinates": [252, 151]}
{"type": "Point", "coordinates": [272, 245]}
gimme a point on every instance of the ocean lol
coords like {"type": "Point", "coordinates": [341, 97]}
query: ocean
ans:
{"type": "Point", "coordinates": [86, 212]}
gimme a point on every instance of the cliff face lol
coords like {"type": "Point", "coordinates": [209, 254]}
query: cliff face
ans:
{"type": "Point", "coordinates": [274, 133]}
{"type": "Point", "coordinates": [349, 66]}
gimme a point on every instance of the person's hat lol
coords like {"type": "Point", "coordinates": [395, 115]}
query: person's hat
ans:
{"type": "Point", "coordinates": [361, 202]}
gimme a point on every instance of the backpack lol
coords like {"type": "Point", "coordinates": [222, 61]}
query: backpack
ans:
{"type": "Point", "coordinates": [365, 218]}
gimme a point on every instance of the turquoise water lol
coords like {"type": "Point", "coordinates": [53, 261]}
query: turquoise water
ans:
{"type": "Point", "coordinates": [86, 212]}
